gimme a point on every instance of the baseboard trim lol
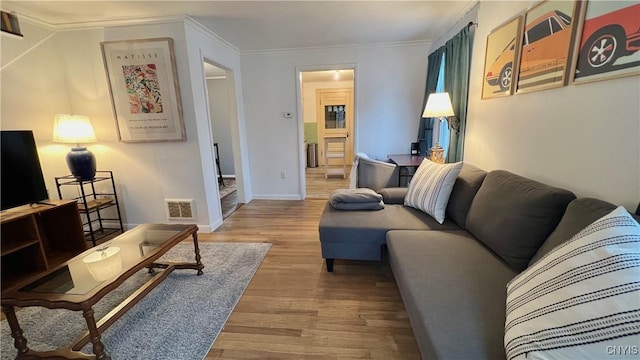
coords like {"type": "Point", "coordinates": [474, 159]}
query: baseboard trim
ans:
{"type": "Point", "coordinates": [276, 197]}
{"type": "Point", "coordinates": [201, 228]}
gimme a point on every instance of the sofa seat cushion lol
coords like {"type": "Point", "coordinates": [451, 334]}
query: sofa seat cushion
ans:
{"type": "Point", "coordinates": [454, 291]}
{"type": "Point", "coordinates": [372, 226]}
{"type": "Point", "coordinates": [514, 215]}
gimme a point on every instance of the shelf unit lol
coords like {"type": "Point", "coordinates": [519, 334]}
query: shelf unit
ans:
{"type": "Point", "coordinates": [91, 203]}
{"type": "Point", "coordinates": [38, 237]}
{"type": "Point", "coordinates": [337, 151]}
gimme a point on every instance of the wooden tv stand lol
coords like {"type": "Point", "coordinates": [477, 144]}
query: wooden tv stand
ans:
{"type": "Point", "coordinates": [37, 237]}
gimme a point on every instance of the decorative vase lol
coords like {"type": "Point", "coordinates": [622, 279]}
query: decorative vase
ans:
{"type": "Point", "coordinates": [81, 163]}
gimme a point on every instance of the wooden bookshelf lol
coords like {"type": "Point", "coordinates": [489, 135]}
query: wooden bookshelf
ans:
{"type": "Point", "coordinates": [38, 237]}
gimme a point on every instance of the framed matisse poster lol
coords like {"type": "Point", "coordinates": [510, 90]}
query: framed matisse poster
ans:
{"type": "Point", "coordinates": [501, 59]}
{"type": "Point", "coordinates": [145, 94]}
{"type": "Point", "coordinates": [608, 44]}
{"type": "Point", "coordinates": [546, 45]}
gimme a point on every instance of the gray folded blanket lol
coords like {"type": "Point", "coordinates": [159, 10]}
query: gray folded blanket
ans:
{"type": "Point", "coordinates": [356, 199]}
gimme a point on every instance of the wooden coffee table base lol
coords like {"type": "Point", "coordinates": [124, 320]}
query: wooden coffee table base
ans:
{"type": "Point", "coordinates": [94, 329]}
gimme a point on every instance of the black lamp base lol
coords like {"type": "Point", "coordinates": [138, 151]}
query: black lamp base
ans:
{"type": "Point", "coordinates": [81, 163]}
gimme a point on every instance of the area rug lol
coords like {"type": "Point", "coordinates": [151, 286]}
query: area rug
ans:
{"type": "Point", "coordinates": [179, 319]}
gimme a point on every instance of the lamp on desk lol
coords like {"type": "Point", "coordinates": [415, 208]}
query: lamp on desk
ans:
{"type": "Point", "coordinates": [438, 106]}
{"type": "Point", "coordinates": [76, 129]}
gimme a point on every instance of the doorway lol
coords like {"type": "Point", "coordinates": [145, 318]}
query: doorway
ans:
{"type": "Point", "coordinates": [327, 107]}
{"type": "Point", "coordinates": [220, 110]}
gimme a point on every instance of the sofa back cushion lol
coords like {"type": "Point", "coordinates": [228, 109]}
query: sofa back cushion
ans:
{"type": "Point", "coordinates": [464, 190]}
{"type": "Point", "coordinates": [580, 213]}
{"type": "Point", "coordinates": [514, 215]}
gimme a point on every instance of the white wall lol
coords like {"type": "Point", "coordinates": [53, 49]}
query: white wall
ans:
{"type": "Point", "coordinates": [388, 95]}
{"type": "Point", "coordinates": [203, 45]}
{"type": "Point", "coordinates": [219, 108]}
{"type": "Point", "coordinates": [33, 91]}
{"type": "Point", "coordinates": [65, 73]}
{"type": "Point", "coordinates": [585, 138]}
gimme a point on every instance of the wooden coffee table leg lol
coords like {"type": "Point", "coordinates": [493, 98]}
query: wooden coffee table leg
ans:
{"type": "Point", "coordinates": [197, 250]}
{"type": "Point", "coordinates": [16, 332]}
{"type": "Point", "coordinates": [98, 346]}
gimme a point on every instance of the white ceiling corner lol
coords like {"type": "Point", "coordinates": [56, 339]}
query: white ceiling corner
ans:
{"type": "Point", "coordinates": [266, 25]}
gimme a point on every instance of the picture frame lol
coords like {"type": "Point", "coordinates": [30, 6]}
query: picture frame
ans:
{"type": "Point", "coordinates": [547, 44]}
{"type": "Point", "coordinates": [603, 48]}
{"type": "Point", "coordinates": [144, 89]}
{"type": "Point", "coordinates": [501, 60]}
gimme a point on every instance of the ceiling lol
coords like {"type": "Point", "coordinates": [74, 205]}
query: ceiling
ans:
{"type": "Point", "coordinates": [268, 25]}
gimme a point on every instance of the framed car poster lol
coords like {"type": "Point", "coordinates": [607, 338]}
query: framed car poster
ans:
{"type": "Point", "coordinates": [608, 44]}
{"type": "Point", "coordinates": [501, 59]}
{"type": "Point", "coordinates": [547, 42]}
{"type": "Point", "coordinates": [145, 94]}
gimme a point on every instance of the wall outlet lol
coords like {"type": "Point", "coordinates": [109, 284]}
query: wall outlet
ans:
{"type": "Point", "coordinates": [283, 174]}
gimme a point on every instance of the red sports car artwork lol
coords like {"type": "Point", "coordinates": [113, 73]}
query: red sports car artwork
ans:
{"type": "Point", "coordinates": [608, 37]}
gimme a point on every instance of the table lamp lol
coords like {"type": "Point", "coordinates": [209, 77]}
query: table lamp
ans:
{"type": "Point", "coordinates": [438, 106]}
{"type": "Point", "coordinates": [76, 129]}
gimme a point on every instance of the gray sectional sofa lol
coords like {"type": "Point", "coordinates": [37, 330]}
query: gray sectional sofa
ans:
{"type": "Point", "coordinates": [452, 276]}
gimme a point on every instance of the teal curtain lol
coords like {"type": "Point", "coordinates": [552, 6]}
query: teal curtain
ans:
{"type": "Point", "coordinates": [425, 130]}
{"type": "Point", "coordinates": [456, 82]}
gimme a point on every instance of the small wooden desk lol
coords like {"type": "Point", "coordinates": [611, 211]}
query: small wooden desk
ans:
{"type": "Point", "coordinates": [407, 162]}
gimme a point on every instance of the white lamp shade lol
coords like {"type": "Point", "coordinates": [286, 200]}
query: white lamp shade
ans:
{"type": "Point", "coordinates": [438, 104]}
{"type": "Point", "coordinates": [73, 129]}
{"type": "Point", "coordinates": [104, 264]}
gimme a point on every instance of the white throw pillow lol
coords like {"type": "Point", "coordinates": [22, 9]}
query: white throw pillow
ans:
{"type": "Point", "coordinates": [582, 299]}
{"type": "Point", "coordinates": [431, 186]}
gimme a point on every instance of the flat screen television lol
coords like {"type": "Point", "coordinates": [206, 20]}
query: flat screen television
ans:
{"type": "Point", "coordinates": [20, 174]}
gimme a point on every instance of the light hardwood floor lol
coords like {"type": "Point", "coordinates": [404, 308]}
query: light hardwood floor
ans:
{"type": "Point", "coordinates": [319, 188]}
{"type": "Point", "coordinates": [294, 309]}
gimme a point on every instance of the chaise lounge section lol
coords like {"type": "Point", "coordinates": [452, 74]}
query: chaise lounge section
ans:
{"type": "Point", "coordinates": [453, 276]}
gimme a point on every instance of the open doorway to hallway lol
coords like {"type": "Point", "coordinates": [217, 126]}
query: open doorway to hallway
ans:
{"type": "Point", "coordinates": [328, 113]}
{"type": "Point", "coordinates": [220, 106]}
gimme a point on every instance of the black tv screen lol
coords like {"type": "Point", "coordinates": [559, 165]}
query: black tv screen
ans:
{"type": "Point", "coordinates": [21, 175]}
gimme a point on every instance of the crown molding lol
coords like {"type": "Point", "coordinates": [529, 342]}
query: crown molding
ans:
{"type": "Point", "coordinates": [207, 32]}
{"type": "Point", "coordinates": [86, 25]}
{"type": "Point", "coordinates": [184, 19]}
{"type": "Point", "coordinates": [120, 23]}
{"type": "Point", "coordinates": [33, 21]}
{"type": "Point", "coordinates": [426, 43]}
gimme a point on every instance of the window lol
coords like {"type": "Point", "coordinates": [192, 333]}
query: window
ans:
{"type": "Point", "coordinates": [566, 19]}
{"type": "Point", "coordinates": [538, 32]}
{"type": "Point", "coordinates": [555, 25]}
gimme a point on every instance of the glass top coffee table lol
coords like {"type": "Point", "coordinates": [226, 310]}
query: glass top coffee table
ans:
{"type": "Point", "coordinates": [82, 281]}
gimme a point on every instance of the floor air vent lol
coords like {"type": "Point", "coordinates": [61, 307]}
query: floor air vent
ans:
{"type": "Point", "coordinates": [180, 209]}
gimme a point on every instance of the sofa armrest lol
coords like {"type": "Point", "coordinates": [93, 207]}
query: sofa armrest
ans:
{"type": "Point", "coordinates": [376, 174]}
{"type": "Point", "coordinates": [393, 195]}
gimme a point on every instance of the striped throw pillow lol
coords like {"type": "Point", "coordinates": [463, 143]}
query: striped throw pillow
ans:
{"type": "Point", "coordinates": [431, 187]}
{"type": "Point", "coordinates": [582, 299]}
